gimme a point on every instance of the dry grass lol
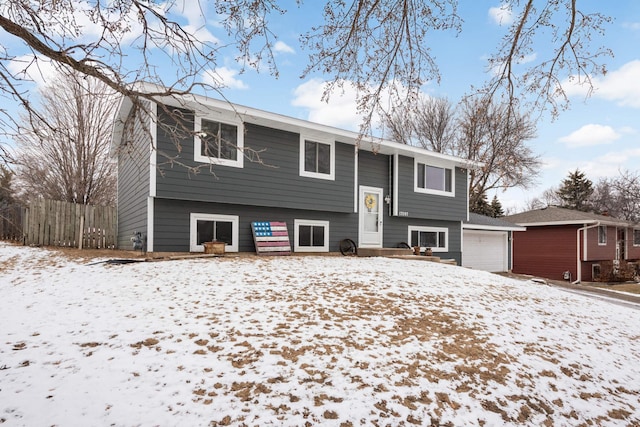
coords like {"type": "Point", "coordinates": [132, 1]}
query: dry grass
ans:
{"type": "Point", "coordinates": [631, 288]}
{"type": "Point", "coordinates": [460, 352]}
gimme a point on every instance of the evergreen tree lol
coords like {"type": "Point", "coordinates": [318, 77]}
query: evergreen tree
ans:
{"type": "Point", "coordinates": [496, 208]}
{"type": "Point", "coordinates": [479, 204]}
{"type": "Point", "coordinates": [6, 186]}
{"type": "Point", "coordinates": [575, 192]}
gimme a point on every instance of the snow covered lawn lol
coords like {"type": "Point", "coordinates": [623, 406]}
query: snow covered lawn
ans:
{"type": "Point", "coordinates": [295, 341]}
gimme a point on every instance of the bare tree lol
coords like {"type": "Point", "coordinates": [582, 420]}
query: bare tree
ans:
{"type": "Point", "coordinates": [618, 196]}
{"type": "Point", "coordinates": [375, 45]}
{"type": "Point", "coordinates": [68, 158]}
{"type": "Point", "coordinates": [477, 130]}
{"type": "Point", "coordinates": [383, 45]}
{"type": "Point", "coordinates": [495, 136]}
{"type": "Point", "coordinates": [549, 197]}
{"type": "Point", "coordinates": [430, 125]}
{"type": "Point", "coordinates": [90, 38]}
{"type": "Point", "coordinates": [568, 31]}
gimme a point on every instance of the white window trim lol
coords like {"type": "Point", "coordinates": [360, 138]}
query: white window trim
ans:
{"type": "Point", "coordinates": [431, 229]}
{"type": "Point", "coordinates": [193, 229]}
{"type": "Point", "coordinates": [238, 163]}
{"type": "Point", "coordinates": [296, 234]}
{"type": "Point", "coordinates": [332, 153]}
{"type": "Point", "coordinates": [605, 235]}
{"type": "Point", "coordinates": [417, 189]}
{"type": "Point", "coordinates": [633, 236]}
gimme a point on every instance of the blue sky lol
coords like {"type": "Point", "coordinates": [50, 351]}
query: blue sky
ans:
{"type": "Point", "coordinates": [598, 135]}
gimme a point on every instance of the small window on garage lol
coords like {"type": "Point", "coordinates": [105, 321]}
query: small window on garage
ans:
{"type": "Point", "coordinates": [210, 228]}
{"type": "Point", "coordinates": [311, 236]}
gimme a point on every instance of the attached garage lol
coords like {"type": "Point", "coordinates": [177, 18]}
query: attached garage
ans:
{"type": "Point", "coordinates": [486, 243]}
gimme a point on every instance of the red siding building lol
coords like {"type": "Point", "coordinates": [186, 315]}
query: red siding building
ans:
{"type": "Point", "coordinates": [563, 244]}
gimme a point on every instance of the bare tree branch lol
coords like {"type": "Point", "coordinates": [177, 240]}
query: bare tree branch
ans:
{"type": "Point", "coordinates": [69, 159]}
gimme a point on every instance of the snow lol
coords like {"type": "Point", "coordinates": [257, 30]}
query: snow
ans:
{"type": "Point", "coordinates": [336, 341]}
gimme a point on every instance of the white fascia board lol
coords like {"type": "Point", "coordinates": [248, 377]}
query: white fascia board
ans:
{"type": "Point", "coordinates": [202, 104]}
{"type": "Point", "coordinates": [492, 227]}
{"type": "Point", "coordinates": [582, 223]}
{"type": "Point", "coordinates": [153, 150]}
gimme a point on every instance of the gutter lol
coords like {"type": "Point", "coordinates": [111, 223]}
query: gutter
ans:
{"type": "Point", "coordinates": [579, 267]}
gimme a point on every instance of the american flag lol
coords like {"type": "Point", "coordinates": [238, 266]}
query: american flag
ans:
{"type": "Point", "coordinates": [271, 238]}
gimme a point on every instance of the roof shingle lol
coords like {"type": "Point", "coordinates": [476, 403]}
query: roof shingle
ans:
{"type": "Point", "coordinates": [554, 214]}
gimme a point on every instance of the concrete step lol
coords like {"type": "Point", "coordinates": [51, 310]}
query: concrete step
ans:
{"type": "Point", "coordinates": [387, 252]}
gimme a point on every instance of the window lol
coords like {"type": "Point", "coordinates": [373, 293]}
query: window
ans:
{"type": "Point", "coordinates": [602, 234]}
{"type": "Point", "coordinates": [636, 237]}
{"type": "Point", "coordinates": [209, 228]}
{"type": "Point", "coordinates": [435, 238]}
{"type": "Point", "coordinates": [311, 236]}
{"type": "Point", "coordinates": [433, 179]}
{"type": "Point", "coordinates": [218, 143]}
{"type": "Point", "coordinates": [317, 158]}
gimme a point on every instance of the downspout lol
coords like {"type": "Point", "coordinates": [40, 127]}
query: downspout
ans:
{"type": "Point", "coordinates": [579, 267]}
{"type": "Point", "coordinates": [389, 195]}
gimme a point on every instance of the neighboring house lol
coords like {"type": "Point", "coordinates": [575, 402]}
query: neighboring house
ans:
{"type": "Point", "coordinates": [327, 184]}
{"type": "Point", "coordinates": [571, 245]}
{"type": "Point", "coordinates": [487, 243]}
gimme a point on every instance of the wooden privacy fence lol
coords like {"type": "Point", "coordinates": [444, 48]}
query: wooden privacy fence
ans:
{"type": "Point", "coordinates": [55, 223]}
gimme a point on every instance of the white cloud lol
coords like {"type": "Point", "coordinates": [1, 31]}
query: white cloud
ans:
{"type": "Point", "coordinates": [223, 77]}
{"type": "Point", "coordinates": [340, 111]}
{"type": "Point", "coordinates": [527, 58]}
{"type": "Point", "coordinates": [195, 14]}
{"type": "Point", "coordinates": [610, 164]}
{"type": "Point", "coordinates": [619, 157]}
{"type": "Point", "coordinates": [128, 29]}
{"type": "Point", "coordinates": [282, 47]}
{"type": "Point", "coordinates": [621, 85]}
{"type": "Point", "coordinates": [37, 69]}
{"type": "Point", "coordinates": [589, 135]}
{"type": "Point", "coordinates": [633, 26]}
{"type": "Point", "coordinates": [501, 15]}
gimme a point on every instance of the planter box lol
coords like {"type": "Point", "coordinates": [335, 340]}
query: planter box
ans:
{"type": "Point", "coordinates": [216, 248]}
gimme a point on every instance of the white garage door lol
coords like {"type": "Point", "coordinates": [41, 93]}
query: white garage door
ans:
{"type": "Point", "coordinates": [485, 250]}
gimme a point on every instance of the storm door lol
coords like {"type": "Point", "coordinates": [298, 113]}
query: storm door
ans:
{"type": "Point", "coordinates": [370, 207]}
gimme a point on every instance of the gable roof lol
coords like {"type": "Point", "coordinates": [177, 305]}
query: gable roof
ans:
{"type": "Point", "coordinates": [554, 215]}
{"type": "Point", "coordinates": [483, 222]}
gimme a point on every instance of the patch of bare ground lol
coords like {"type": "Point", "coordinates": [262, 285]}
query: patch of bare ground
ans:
{"type": "Point", "coordinates": [9, 264]}
{"type": "Point", "coordinates": [460, 353]}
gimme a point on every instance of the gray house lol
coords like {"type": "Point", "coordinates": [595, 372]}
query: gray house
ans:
{"type": "Point", "coordinates": [325, 183]}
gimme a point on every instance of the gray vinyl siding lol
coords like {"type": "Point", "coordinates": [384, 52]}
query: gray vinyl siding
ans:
{"type": "Point", "coordinates": [133, 183]}
{"type": "Point", "coordinates": [373, 170]}
{"type": "Point", "coordinates": [430, 206]}
{"type": "Point", "coordinates": [273, 181]}
{"type": "Point", "coordinates": [172, 222]}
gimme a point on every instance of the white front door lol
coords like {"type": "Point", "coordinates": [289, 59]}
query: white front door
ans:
{"type": "Point", "coordinates": [370, 206]}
